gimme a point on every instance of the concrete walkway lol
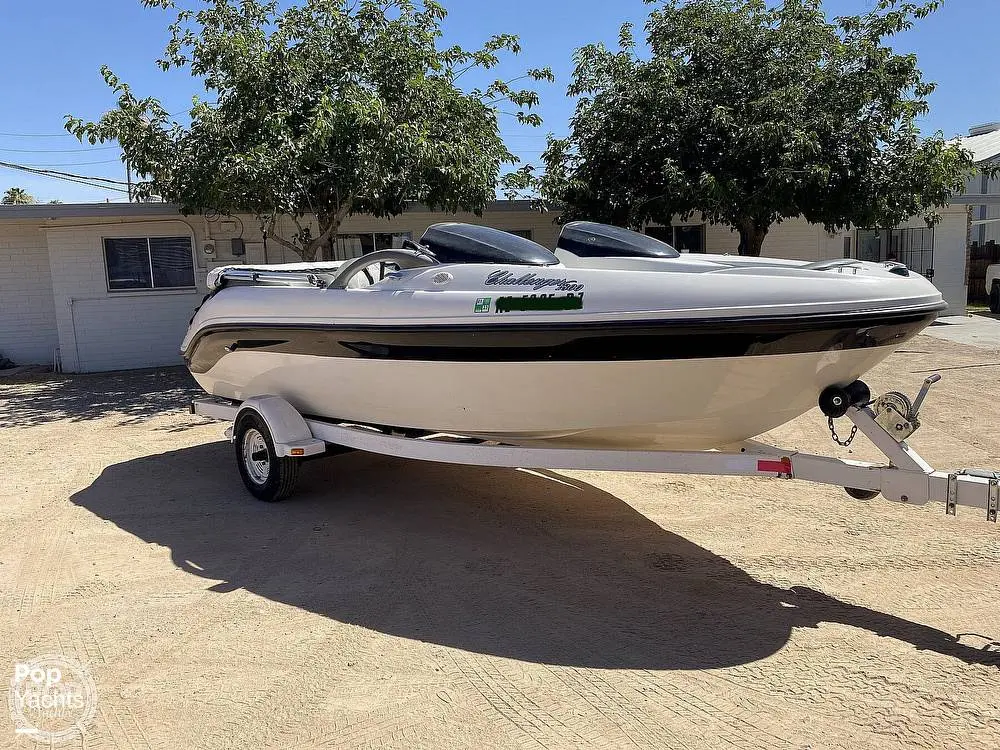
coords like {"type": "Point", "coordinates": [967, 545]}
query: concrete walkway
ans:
{"type": "Point", "coordinates": [982, 330]}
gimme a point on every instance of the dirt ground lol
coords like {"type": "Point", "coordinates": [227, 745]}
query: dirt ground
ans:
{"type": "Point", "coordinates": [394, 604]}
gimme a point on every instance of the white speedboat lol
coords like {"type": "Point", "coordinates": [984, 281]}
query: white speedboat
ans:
{"type": "Point", "coordinates": [615, 340]}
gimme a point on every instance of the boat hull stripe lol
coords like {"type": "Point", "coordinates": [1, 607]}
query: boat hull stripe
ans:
{"type": "Point", "coordinates": [574, 342]}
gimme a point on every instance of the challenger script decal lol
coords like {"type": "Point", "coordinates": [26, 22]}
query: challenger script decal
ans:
{"type": "Point", "coordinates": [506, 278]}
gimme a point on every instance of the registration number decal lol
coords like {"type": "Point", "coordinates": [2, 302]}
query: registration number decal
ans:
{"type": "Point", "coordinates": [546, 302]}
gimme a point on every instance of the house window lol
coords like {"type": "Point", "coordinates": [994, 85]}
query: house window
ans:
{"type": "Point", "coordinates": [688, 238]}
{"type": "Point", "coordinates": [526, 233]}
{"type": "Point", "coordinates": [148, 263]}
{"type": "Point", "coordinates": [355, 245]}
{"type": "Point", "coordinates": [663, 234]}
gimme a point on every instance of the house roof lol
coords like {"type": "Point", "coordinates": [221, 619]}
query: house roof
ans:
{"type": "Point", "coordinates": [983, 141]}
{"type": "Point", "coordinates": [44, 211]}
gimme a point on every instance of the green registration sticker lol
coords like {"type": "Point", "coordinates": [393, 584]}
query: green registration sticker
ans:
{"type": "Point", "coordinates": [483, 304]}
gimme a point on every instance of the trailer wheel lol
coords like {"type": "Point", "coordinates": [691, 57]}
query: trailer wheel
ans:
{"type": "Point", "coordinates": [266, 476]}
{"type": "Point", "coordinates": [995, 298]}
{"type": "Point", "coordinates": [861, 494]}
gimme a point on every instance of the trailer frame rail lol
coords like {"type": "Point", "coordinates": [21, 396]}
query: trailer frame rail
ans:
{"type": "Point", "coordinates": [906, 477]}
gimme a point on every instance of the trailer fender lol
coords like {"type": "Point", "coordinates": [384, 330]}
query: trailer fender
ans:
{"type": "Point", "coordinates": [289, 431]}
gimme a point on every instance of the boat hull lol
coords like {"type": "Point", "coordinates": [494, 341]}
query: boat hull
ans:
{"type": "Point", "coordinates": [574, 356]}
{"type": "Point", "coordinates": [694, 403]}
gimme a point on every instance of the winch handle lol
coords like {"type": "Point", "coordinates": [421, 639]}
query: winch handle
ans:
{"type": "Point", "coordinates": [924, 390]}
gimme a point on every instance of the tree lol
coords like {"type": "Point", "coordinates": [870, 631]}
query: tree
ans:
{"type": "Point", "coordinates": [16, 196]}
{"type": "Point", "coordinates": [317, 112]}
{"type": "Point", "coordinates": [748, 113]}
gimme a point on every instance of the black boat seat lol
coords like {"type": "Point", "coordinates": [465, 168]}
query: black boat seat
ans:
{"type": "Point", "coordinates": [587, 239]}
{"type": "Point", "coordinates": [453, 242]}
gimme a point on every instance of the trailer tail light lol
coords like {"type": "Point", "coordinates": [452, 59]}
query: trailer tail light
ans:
{"type": "Point", "coordinates": [784, 466]}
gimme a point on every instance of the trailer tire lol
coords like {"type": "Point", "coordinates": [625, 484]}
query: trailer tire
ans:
{"type": "Point", "coordinates": [267, 476]}
{"type": "Point", "coordinates": [861, 494]}
{"type": "Point", "coordinates": [995, 298]}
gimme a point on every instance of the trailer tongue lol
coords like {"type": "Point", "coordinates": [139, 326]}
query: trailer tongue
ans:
{"type": "Point", "coordinates": [271, 439]}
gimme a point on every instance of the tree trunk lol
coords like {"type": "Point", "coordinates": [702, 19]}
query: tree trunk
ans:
{"type": "Point", "coordinates": [316, 249]}
{"type": "Point", "coordinates": [752, 237]}
{"type": "Point", "coordinates": [327, 238]}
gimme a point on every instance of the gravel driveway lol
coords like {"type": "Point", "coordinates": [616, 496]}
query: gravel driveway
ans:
{"type": "Point", "coordinates": [394, 604]}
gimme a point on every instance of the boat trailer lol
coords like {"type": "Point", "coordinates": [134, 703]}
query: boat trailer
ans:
{"type": "Point", "coordinates": [271, 439]}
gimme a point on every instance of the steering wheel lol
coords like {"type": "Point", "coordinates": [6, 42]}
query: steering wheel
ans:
{"type": "Point", "coordinates": [406, 258]}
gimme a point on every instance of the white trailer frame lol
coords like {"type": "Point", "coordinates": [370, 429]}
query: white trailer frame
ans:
{"type": "Point", "coordinates": [905, 478]}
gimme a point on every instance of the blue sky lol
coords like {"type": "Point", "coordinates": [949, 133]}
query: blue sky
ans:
{"type": "Point", "coordinates": [51, 53]}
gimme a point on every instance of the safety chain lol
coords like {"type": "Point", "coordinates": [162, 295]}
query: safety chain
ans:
{"type": "Point", "coordinates": [836, 438]}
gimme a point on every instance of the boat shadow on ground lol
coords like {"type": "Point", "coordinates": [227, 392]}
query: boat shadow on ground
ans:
{"type": "Point", "coordinates": [517, 564]}
{"type": "Point", "coordinates": [131, 396]}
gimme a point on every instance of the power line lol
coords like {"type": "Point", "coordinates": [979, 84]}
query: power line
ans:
{"type": "Point", "coordinates": [86, 150]}
{"type": "Point", "coordinates": [88, 184]}
{"type": "Point", "coordinates": [524, 136]}
{"type": "Point", "coordinates": [70, 177]}
{"type": "Point", "coordinates": [76, 163]}
{"type": "Point", "coordinates": [36, 135]}
{"type": "Point", "coordinates": [65, 174]}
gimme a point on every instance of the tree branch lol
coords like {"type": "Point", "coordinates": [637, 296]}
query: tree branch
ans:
{"type": "Point", "coordinates": [285, 243]}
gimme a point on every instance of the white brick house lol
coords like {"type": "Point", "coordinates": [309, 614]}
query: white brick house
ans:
{"type": "Point", "coordinates": [27, 311]}
{"type": "Point", "coordinates": [71, 286]}
{"type": "Point", "coordinates": [64, 292]}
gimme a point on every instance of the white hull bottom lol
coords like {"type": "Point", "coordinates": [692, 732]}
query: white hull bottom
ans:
{"type": "Point", "coordinates": [687, 404]}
